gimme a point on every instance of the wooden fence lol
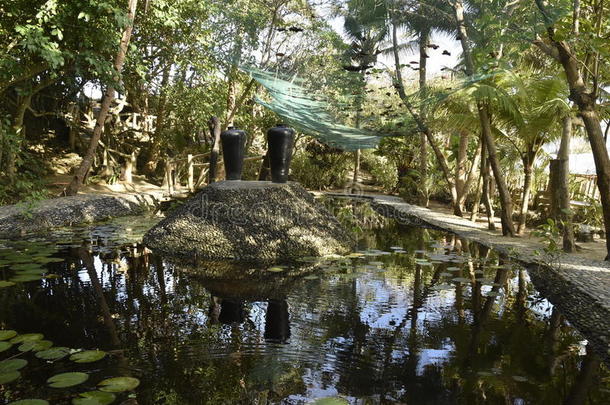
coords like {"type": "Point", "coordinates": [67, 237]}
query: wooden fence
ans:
{"type": "Point", "coordinates": [192, 171]}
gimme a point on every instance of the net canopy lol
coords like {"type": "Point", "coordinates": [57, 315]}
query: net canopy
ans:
{"type": "Point", "coordinates": [308, 112]}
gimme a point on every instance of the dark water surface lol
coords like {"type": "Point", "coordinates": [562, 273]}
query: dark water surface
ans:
{"type": "Point", "coordinates": [416, 317]}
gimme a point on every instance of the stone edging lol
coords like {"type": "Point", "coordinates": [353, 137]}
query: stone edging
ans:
{"type": "Point", "coordinates": [21, 219]}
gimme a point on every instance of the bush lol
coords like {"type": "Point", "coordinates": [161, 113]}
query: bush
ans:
{"type": "Point", "coordinates": [382, 169]}
{"type": "Point", "coordinates": [320, 171]}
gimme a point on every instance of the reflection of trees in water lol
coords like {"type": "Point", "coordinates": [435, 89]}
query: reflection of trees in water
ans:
{"type": "Point", "coordinates": [191, 341]}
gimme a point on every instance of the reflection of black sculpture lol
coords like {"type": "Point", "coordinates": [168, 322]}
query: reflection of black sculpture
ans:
{"type": "Point", "coordinates": [233, 149]}
{"type": "Point", "coordinates": [231, 311]}
{"type": "Point", "coordinates": [277, 321]}
{"type": "Point", "coordinates": [280, 140]}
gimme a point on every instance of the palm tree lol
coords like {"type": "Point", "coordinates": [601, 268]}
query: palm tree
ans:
{"type": "Point", "coordinates": [365, 27]}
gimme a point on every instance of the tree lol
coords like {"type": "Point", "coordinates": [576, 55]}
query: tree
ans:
{"type": "Point", "coordinates": [107, 99]}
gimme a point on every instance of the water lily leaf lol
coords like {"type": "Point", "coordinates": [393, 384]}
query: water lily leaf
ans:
{"type": "Point", "coordinates": [55, 353]}
{"type": "Point", "coordinates": [440, 287]}
{"type": "Point", "coordinates": [312, 277]}
{"type": "Point", "coordinates": [4, 283]}
{"type": "Point", "coordinates": [45, 260]}
{"type": "Point", "coordinates": [24, 278]}
{"type": "Point", "coordinates": [88, 356]}
{"type": "Point", "coordinates": [376, 263]}
{"type": "Point", "coordinates": [94, 398]}
{"type": "Point", "coordinates": [9, 376]}
{"type": "Point", "coordinates": [453, 268]}
{"type": "Point", "coordinates": [35, 346]}
{"type": "Point", "coordinates": [445, 274]}
{"type": "Point", "coordinates": [461, 280]}
{"type": "Point", "coordinates": [7, 334]}
{"type": "Point", "coordinates": [5, 346]}
{"type": "Point", "coordinates": [65, 380]}
{"type": "Point", "coordinates": [119, 384]}
{"type": "Point", "coordinates": [30, 402]}
{"type": "Point", "coordinates": [12, 365]}
{"type": "Point", "coordinates": [26, 266]}
{"type": "Point", "coordinates": [275, 269]}
{"type": "Point", "coordinates": [330, 401]}
{"type": "Point", "coordinates": [27, 337]}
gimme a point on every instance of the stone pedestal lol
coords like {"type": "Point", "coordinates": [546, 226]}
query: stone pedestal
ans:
{"type": "Point", "coordinates": [252, 221]}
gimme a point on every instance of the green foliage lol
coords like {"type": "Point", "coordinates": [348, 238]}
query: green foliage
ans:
{"type": "Point", "coordinates": [319, 167]}
{"type": "Point", "coordinates": [382, 169]}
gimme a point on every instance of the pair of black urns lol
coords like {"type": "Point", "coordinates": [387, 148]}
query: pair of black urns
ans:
{"type": "Point", "coordinates": [280, 140]}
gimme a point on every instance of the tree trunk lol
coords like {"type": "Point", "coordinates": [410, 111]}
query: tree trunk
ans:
{"type": "Point", "coordinates": [19, 133]}
{"type": "Point", "coordinates": [506, 203]}
{"type": "Point", "coordinates": [487, 198]}
{"type": "Point", "coordinates": [424, 199]}
{"type": "Point", "coordinates": [528, 163]}
{"type": "Point", "coordinates": [216, 130]}
{"type": "Point", "coordinates": [569, 246]}
{"type": "Point", "coordinates": [107, 99]}
{"type": "Point", "coordinates": [155, 149]}
{"type": "Point", "coordinates": [586, 102]}
{"type": "Point", "coordinates": [356, 171]}
{"type": "Point", "coordinates": [506, 212]}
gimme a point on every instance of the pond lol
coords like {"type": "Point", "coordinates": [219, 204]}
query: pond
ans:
{"type": "Point", "coordinates": [415, 316]}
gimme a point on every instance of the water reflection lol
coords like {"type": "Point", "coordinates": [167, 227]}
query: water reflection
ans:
{"type": "Point", "coordinates": [439, 321]}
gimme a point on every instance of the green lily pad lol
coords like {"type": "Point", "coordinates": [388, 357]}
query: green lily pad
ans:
{"type": "Point", "coordinates": [26, 266]}
{"type": "Point", "coordinates": [65, 380]}
{"type": "Point", "coordinates": [4, 283]}
{"type": "Point", "coordinates": [28, 337]}
{"type": "Point", "coordinates": [461, 280]}
{"type": "Point", "coordinates": [275, 269]}
{"type": "Point", "coordinates": [7, 334]}
{"type": "Point", "coordinates": [24, 278]}
{"type": "Point", "coordinates": [35, 346]}
{"type": "Point", "coordinates": [9, 376]}
{"type": "Point", "coordinates": [30, 402]}
{"type": "Point", "coordinates": [119, 384]}
{"type": "Point", "coordinates": [5, 346]}
{"type": "Point", "coordinates": [54, 353]}
{"type": "Point", "coordinates": [330, 401]}
{"type": "Point", "coordinates": [45, 260]}
{"type": "Point", "coordinates": [88, 356]}
{"type": "Point", "coordinates": [312, 277]}
{"type": "Point", "coordinates": [94, 398]}
{"type": "Point", "coordinates": [12, 365]}
{"type": "Point", "coordinates": [440, 287]}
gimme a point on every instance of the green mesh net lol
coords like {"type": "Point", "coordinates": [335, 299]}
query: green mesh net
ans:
{"type": "Point", "coordinates": [308, 112]}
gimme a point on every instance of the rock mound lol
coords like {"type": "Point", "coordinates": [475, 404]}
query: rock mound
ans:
{"type": "Point", "coordinates": [252, 221]}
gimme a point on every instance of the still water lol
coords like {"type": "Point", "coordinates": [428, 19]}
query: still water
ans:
{"type": "Point", "coordinates": [414, 317]}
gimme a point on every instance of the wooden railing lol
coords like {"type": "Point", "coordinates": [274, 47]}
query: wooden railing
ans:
{"type": "Point", "coordinates": [192, 171]}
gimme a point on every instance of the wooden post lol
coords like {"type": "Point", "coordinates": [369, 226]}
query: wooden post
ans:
{"type": "Point", "coordinates": [191, 173]}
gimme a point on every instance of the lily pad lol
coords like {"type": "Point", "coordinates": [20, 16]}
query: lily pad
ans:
{"type": "Point", "coordinates": [7, 334]}
{"type": "Point", "coordinates": [45, 260]}
{"type": "Point", "coordinates": [312, 277]}
{"type": "Point", "coordinates": [4, 283]}
{"type": "Point", "coordinates": [461, 280]}
{"type": "Point", "coordinates": [30, 402]}
{"type": "Point", "coordinates": [54, 353]}
{"type": "Point", "coordinates": [26, 266]}
{"type": "Point", "coordinates": [94, 398]}
{"type": "Point", "coordinates": [35, 346]}
{"type": "Point", "coordinates": [27, 337]}
{"type": "Point", "coordinates": [88, 356]}
{"type": "Point", "coordinates": [9, 376]}
{"type": "Point", "coordinates": [330, 401]}
{"type": "Point", "coordinates": [24, 278]}
{"type": "Point", "coordinates": [65, 380]}
{"type": "Point", "coordinates": [5, 346]}
{"type": "Point", "coordinates": [12, 365]}
{"type": "Point", "coordinates": [275, 269]}
{"type": "Point", "coordinates": [119, 384]}
{"type": "Point", "coordinates": [440, 287]}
